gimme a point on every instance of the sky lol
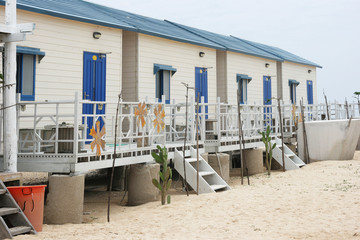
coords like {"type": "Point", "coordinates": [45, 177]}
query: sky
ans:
{"type": "Point", "coordinates": [326, 32]}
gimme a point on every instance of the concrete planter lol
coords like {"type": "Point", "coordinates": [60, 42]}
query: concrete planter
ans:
{"type": "Point", "coordinates": [330, 140]}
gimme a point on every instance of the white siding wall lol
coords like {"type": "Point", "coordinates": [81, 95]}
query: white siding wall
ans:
{"type": "Point", "coordinates": [299, 73]}
{"type": "Point", "coordinates": [59, 74]}
{"type": "Point", "coordinates": [253, 67]}
{"type": "Point", "coordinates": [184, 57]}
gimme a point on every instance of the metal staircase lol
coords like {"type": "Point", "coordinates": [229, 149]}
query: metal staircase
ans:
{"type": "Point", "coordinates": [292, 161]}
{"type": "Point", "coordinates": [209, 180]}
{"type": "Point", "coordinates": [13, 221]}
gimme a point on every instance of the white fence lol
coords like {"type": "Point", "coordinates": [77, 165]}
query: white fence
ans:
{"type": "Point", "coordinates": [62, 127]}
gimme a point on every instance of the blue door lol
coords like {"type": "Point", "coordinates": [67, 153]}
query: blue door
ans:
{"type": "Point", "coordinates": [267, 100]}
{"type": "Point", "coordinates": [94, 86]}
{"type": "Point", "coordinates": [309, 86]}
{"type": "Point", "coordinates": [201, 86]}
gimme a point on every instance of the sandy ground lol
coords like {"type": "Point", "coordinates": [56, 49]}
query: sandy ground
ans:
{"type": "Point", "coordinates": [319, 201]}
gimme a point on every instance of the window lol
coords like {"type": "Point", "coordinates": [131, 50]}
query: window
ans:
{"type": "Point", "coordinates": [293, 84]}
{"type": "Point", "coordinates": [25, 72]}
{"type": "Point", "coordinates": [25, 76]}
{"type": "Point", "coordinates": [162, 85]}
{"type": "Point", "coordinates": [243, 81]}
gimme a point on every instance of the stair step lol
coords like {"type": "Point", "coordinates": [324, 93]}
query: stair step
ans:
{"type": "Point", "coordinates": [19, 230]}
{"type": "Point", "coordinates": [7, 211]}
{"type": "Point", "coordinates": [290, 155]}
{"type": "Point", "coordinates": [205, 173]}
{"type": "Point", "coordinates": [2, 191]}
{"type": "Point", "coordinates": [300, 164]}
{"type": "Point", "coordinates": [217, 187]}
{"type": "Point", "coordinates": [191, 159]}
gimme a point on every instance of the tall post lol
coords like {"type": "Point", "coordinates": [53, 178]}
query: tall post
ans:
{"type": "Point", "coordinates": [197, 143]}
{"type": "Point", "coordinates": [10, 136]}
{"type": "Point", "coordinates": [282, 135]}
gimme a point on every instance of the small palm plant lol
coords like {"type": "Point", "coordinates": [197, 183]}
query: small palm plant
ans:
{"type": "Point", "coordinates": [165, 174]}
{"type": "Point", "coordinates": [266, 138]}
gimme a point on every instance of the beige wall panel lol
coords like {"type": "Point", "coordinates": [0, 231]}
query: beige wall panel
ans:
{"type": "Point", "coordinates": [221, 75]}
{"type": "Point", "coordinates": [129, 82]}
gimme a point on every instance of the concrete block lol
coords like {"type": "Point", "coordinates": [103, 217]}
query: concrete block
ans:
{"type": "Point", "coordinates": [65, 200]}
{"type": "Point", "coordinates": [358, 144]}
{"type": "Point", "coordinates": [254, 161]}
{"type": "Point", "coordinates": [141, 190]}
{"type": "Point", "coordinates": [224, 165]}
{"type": "Point", "coordinates": [330, 140]}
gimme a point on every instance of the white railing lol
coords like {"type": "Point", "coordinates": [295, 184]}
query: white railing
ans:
{"type": "Point", "coordinates": [61, 127]}
{"type": "Point", "coordinates": [56, 128]}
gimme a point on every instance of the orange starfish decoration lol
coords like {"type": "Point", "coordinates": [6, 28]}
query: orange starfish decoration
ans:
{"type": "Point", "coordinates": [98, 141]}
{"type": "Point", "coordinates": [141, 113]}
{"type": "Point", "coordinates": [159, 118]}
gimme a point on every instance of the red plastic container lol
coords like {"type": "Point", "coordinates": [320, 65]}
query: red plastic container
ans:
{"type": "Point", "coordinates": [31, 200]}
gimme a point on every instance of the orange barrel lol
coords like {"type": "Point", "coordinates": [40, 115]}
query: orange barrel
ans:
{"type": "Point", "coordinates": [31, 200]}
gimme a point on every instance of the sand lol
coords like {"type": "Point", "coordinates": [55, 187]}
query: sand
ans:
{"type": "Point", "coordinates": [319, 201]}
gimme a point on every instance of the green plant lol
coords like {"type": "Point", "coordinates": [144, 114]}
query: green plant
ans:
{"type": "Point", "coordinates": [165, 174]}
{"type": "Point", "coordinates": [266, 138]}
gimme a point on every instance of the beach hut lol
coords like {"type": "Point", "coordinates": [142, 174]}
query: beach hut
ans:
{"type": "Point", "coordinates": [296, 75]}
{"type": "Point", "coordinates": [95, 52]}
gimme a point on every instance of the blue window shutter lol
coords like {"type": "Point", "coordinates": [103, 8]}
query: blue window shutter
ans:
{"type": "Point", "coordinates": [309, 86]}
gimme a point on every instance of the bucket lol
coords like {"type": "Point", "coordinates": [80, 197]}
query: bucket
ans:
{"type": "Point", "coordinates": [31, 201]}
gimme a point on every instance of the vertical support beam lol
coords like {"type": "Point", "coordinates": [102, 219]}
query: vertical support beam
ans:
{"type": "Point", "coordinates": [10, 136]}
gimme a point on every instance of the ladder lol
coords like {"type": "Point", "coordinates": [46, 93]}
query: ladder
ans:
{"type": "Point", "coordinates": [209, 180]}
{"type": "Point", "coordinates": [292, 161]}
{"type": "Point", "coordinates": [13, 221]}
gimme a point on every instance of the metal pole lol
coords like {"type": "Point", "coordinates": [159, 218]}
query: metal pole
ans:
{"type": "Point", "coordinates": [10, 136]}
{"type": "Point", "coordinates": [282, 136]}
{"type": "Point", "coordinates": [197, 143]}
{"type": "Point", "coordinates": [241, 152]}
{"type": "Point", "coordinates": [184, 150]}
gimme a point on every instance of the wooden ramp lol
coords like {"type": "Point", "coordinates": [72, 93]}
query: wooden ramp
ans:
{"type": "Point", "coordinates": [13, 221]}
{"type": "Point", "coordinates": [209, 180]}
{"type": "Point", "coordinates": [292, 161]}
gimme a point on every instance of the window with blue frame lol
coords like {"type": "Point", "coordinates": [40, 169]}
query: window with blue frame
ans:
{"type": "Point", "coordinates": [293, 84]}
{"type": "Point", "coordinates": [243, 81]}
{"type": "Point", "coordinates": [25, 72]}
{"type": "Point", "coordinates": [25, 76]}
{"type": "Point", "coordinates": [163, 75]}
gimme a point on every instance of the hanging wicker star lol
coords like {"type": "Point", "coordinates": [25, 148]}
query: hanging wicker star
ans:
{"type": "Point", "coordinates": [140, 114]}
{"type": "Point", "coordinates": [98, 141]}
{"type": "Point", "coordinates": [158, 122]}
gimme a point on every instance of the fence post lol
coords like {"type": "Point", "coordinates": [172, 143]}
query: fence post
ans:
{"type": "Point", "coordinates": [76, 126]}
{"type": "Point", "coordinates": [218, 118]}
{"type": "Point", "coordinates": [192, 122]}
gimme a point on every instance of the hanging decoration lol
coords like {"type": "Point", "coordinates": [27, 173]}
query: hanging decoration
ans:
{"type": "Point", "coordinates": [98, 141]}
{"type": "Point", "coordinates": [140, 114]}
{"type": "Point", "coordinates": [159, 122]}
